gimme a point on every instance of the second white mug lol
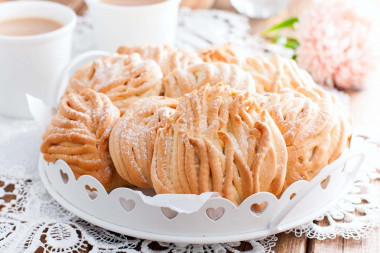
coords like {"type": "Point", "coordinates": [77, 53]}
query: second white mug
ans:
{"type": "Point", "coordinates": [116, 25]}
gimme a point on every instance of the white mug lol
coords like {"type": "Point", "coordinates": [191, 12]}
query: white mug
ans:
{"type": "Point", "coordinates": [32, 64]}
{"type": "Point", "coordinates": [116, 25]}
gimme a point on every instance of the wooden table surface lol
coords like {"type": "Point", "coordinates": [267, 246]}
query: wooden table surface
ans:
{"type": "Point", "coordinates": [365, 106]}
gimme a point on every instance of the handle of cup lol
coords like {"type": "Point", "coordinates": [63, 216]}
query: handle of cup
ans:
{"type": "Point", "coordinates": [64, 76]}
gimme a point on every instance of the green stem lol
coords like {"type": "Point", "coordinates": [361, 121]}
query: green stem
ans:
{"type": "Point", "coordinates": [287, 23]}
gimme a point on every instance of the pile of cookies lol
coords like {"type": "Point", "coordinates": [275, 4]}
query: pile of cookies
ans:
{"type": "Point", "coordinates": [180, 121]}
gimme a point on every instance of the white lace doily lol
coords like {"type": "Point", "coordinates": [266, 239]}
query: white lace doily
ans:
{"type": "Point", "coordinates": [31, 220]}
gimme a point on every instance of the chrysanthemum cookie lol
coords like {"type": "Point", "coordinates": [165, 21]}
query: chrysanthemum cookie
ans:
{"type": "Point", "coordinates": [183, 81]}
{"type": "Point", "coordinates": [271, 74]}
{"type": "Point", "coordinates": [219, 140]}
{"type": "Point", "coordinates": [315, 133]}
{"type": "Point", "coordinates": [132, 139]}
{"type": "Point", "coordinates": [222, 53]}
{"type": "Point", "coordinates": [276, 73]}
{"type": "Point", "coordinates": [169, 58]}
{"type": "Point", "coordinates": [123, 78]}
{"type": "Point", "coordinates": [78, 134]}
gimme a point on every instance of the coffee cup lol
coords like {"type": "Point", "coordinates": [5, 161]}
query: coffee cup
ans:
{"type": "Point", "coordinates": [31, 64]}
{"type": "Point", "coordinates": [131, 25]}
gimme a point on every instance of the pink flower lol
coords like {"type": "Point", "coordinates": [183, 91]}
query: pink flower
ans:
{"type": "Point", "coordinates": [339, 42]}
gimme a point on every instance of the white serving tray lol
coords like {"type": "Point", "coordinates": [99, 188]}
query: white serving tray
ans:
{"type": "Point", "coordinates": [184, 219]}
{"type": "Point", "coordinates": [208, 219]}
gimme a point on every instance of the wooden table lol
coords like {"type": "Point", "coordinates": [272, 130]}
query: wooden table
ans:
{"type": "Point", "coordinates": [365, 106]}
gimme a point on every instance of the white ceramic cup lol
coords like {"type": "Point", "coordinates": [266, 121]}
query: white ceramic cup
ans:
{"type": "Point", "coordinates": [116, 25]}
{"type": "Point", "coordinates": [32, 64]}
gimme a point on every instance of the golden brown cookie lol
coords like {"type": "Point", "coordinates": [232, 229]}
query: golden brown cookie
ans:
{"type": "Point", "coordinates": [169, 58]}
{"type": "Point", "coordinates": [221, 53]}
{"type": "Point", "coordinates": [123, 78]}
{"type": "Point", "coordinates": [315, 133]}
{"type": "Point", "coordinates": [183, 81]}
{"type": "Point", "coordinates": [132, 138]}
{"type": "Point", "coordinates": [78, 134]}
{"type": "Point", "coordinates": [276, 73]}
{"type": "Point", "coordinates": [219, 140]}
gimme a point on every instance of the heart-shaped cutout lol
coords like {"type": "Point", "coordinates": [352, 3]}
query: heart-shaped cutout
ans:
{"type": "Point", "coordinates": [325, 183]}
{"type": "Point", "coordinates": [169, 213]}
{"type": "Point", "coordinates": [64, 176]}
{"type": "Point", "coordinates": [259, 209]}
{"type": "Point", "coordinates": [215, 214]}
{"type": "Point", "coordinates": [92, 192]}
{"type": "Point", "coordinates": [127, 205]}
